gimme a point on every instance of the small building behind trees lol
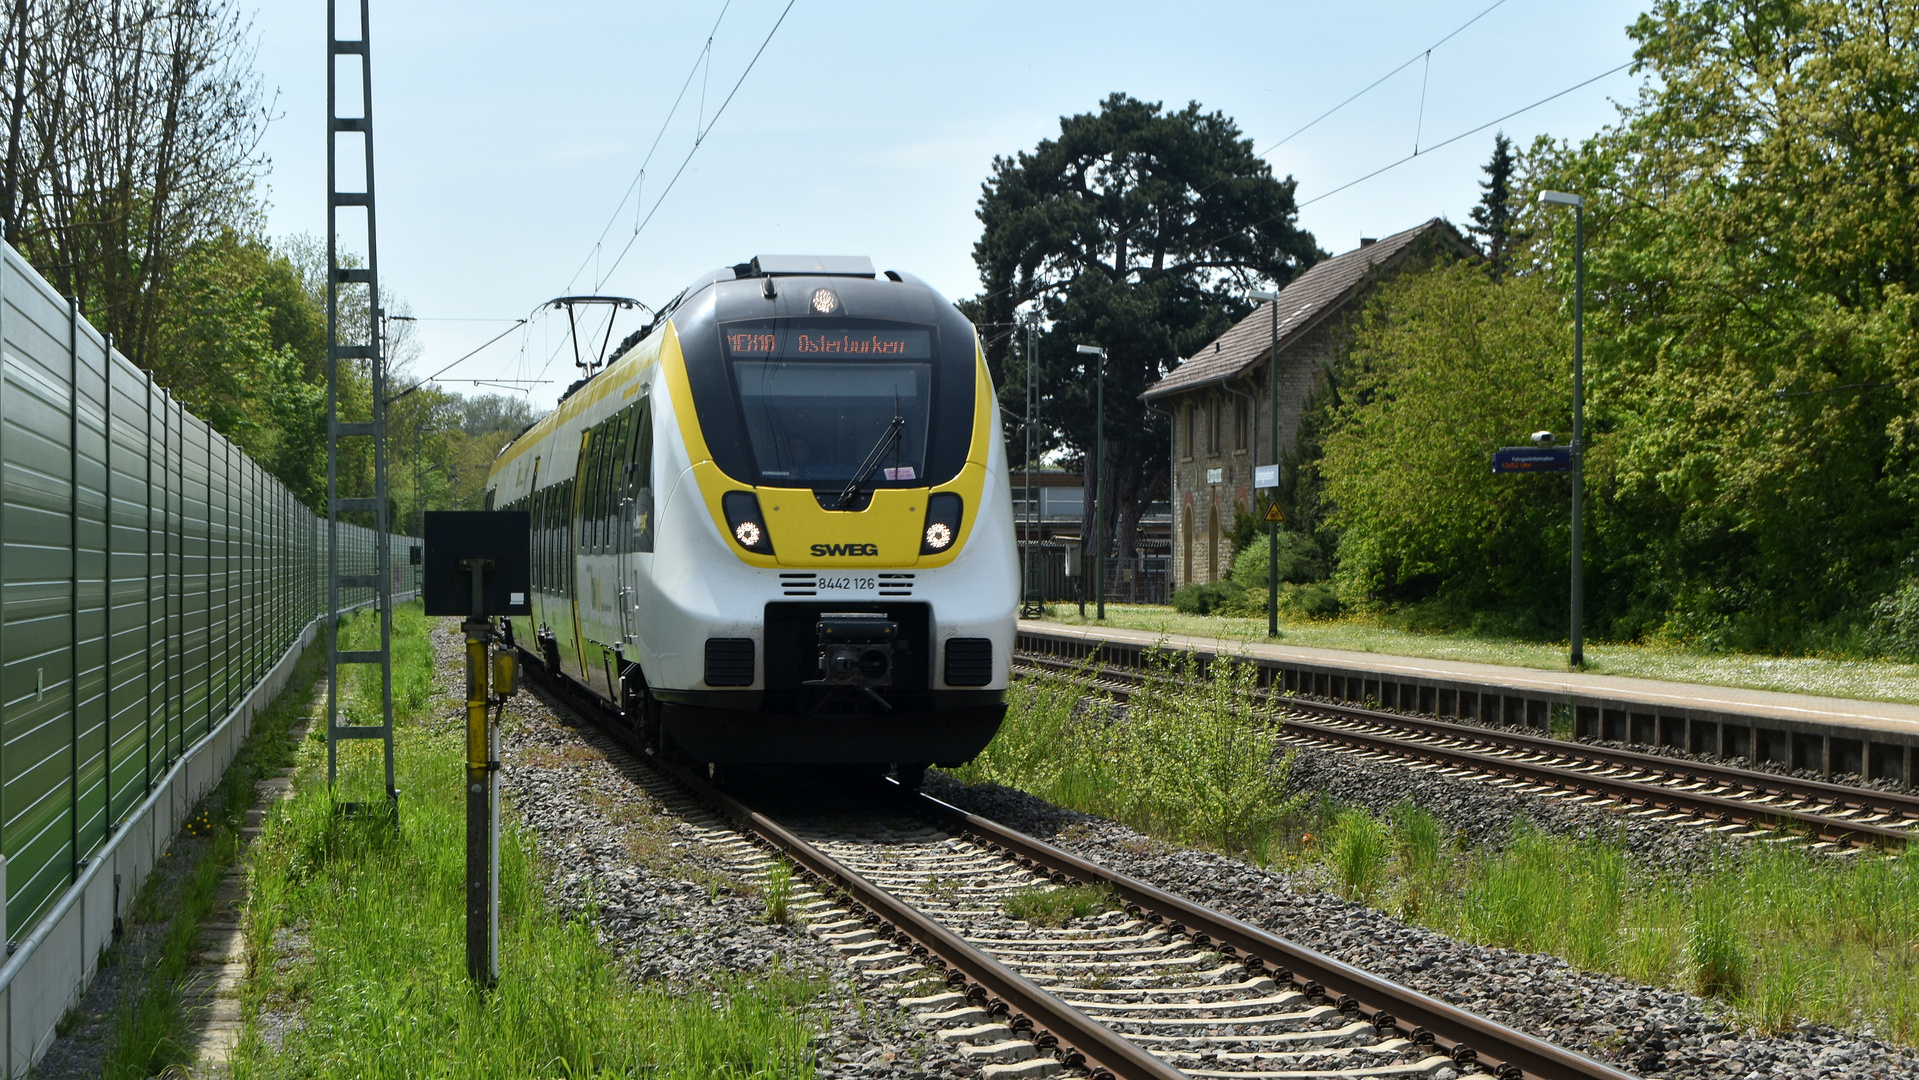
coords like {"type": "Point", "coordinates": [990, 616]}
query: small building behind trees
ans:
{"type": "Point", "coordinates": [1219, 397]}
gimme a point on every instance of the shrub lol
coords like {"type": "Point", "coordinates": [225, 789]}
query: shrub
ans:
{"type": "Point", "coordinates": [1299, 561]}
{"type": "Point", "coordinates": [1205, 597]}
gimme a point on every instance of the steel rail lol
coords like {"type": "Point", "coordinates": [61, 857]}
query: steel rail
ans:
{"type": "Point", "coordinates": [1725, 809]}
{"type": "Point", "coordinates": [1088, 1044]}
{"type": "Point", "coordinates": [1466, 1038]}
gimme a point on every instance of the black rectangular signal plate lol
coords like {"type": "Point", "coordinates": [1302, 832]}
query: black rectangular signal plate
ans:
{"type": "Point", "coordinates": [497, 535]}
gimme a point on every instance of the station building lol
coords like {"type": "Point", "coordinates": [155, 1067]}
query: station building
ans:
{"type": "Point", "coordinates": [1219, 397]}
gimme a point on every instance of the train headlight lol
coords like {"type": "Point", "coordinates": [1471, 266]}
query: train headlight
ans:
{"type": "Point", "coordinates": [747, 524]}
{"type": "Point", "coordinates": [942, 523]}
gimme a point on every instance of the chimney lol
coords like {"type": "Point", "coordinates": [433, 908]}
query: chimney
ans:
{"type": "Point", "coordinates": [1368, 241]}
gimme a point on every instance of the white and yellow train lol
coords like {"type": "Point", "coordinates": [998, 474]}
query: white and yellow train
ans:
{"type": "Point", "coordinates": [777, 528]}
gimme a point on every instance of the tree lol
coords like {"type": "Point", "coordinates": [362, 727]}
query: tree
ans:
{"type": "Point", "coordinates": [1752, 348]}
{"type": "Point", "coordinates": [1493, 217]}
{"type": "Point", "coordinates": [132, 134]}
{"type": "Point", "coordinates": [1447, 365]}
{"type": "Point", "coordinates": [1140, 231]}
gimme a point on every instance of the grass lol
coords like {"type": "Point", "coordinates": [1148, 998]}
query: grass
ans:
{"type": "Point", "coordinates": [779, 892]}
{"type": "Point", "coordinates": [147, 1029]}
{"type": "Point", "coordinates": [1869, 680]}
{"type": "Point", "coordinates": [1778, 932]}
{"type": "Point", "coordinates": [1190, 761]}
{"type": "Point", "coordinates": [358, 930]}
{"type": "Point", "coordinates": [1059, 906]}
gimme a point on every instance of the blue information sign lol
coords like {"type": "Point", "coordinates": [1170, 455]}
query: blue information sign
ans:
{"type": "Point", "coordinates": [1524, 459]}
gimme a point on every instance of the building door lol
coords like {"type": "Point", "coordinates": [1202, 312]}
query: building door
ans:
{"type": "Point", "coordinates": [1212, 537]}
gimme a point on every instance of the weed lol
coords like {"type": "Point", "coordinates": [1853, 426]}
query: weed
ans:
{"type": "Point", "coordinates": [1059, 906]}
{"type": "Point", "coordinates": [1357, 854]}
{"type": "Point", "coordinates": [1715, 946]}
{"type": "Point", "coordinates": [1189, 758]}
{"type": "Point", "coordinates": [779, 891]}
{"type": "Point", "coordinates": [942, 888]}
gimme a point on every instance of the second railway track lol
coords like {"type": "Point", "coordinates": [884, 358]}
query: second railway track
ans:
{"type": "Point", "coordinates": [1738, 801]}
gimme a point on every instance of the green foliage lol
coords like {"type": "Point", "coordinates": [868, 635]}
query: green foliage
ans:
{"type": "Point", "coordinates": [1204, 597]}
{"type": "Point", "coordinates": [1753, 363]}
{"type": "Point", "coordinates": [1197, 761]}
{"type": "Point", "coordinates": [1299, 560]}
{"type": "Point", "coordinates": [1493, 217]}
{"type": "Point", "coordinates": [1059, 906]}
{"type": "Point", "coordinates": [1448, 365]}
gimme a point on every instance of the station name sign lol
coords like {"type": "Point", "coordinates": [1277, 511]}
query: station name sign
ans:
{"type": "Point", "coordinates": [1531, 459]}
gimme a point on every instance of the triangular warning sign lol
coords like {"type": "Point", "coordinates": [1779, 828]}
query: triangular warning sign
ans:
{"type": "Point", "coordinates": [1273, 514]}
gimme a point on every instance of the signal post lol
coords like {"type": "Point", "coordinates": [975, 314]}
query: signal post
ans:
{"type": "Point", "coordinates": [477, 565]}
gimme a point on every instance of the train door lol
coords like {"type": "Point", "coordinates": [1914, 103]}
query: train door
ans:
{"type": "Point", "coordinates": [634, 535]}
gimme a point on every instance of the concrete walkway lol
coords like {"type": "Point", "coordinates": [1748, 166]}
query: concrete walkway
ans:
{"type": "Point", "coordinates": [210, 996]}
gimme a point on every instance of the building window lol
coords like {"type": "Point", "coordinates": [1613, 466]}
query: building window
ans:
{"type": "Point", "coordinates": [1241, 423]}
{"type": "Point", "coordinates": [1212, 426]}
{"type": "Point", "coordinates": [1186, 428]}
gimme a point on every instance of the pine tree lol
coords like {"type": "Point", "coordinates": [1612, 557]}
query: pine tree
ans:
{"type": "Point", "coordinates": [1493, 217]}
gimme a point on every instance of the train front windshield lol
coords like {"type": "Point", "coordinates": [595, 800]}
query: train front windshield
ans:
{"type": "Point", "coordinates": [822, 397]}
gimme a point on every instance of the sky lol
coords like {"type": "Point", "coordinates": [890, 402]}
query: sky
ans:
{"type": "Point", "coordinates": [508, 136]}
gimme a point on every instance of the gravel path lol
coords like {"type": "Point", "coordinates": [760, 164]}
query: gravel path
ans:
{"type": "Point", "coordinates": [1644, 1030]}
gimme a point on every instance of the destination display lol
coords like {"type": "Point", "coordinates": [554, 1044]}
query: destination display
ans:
{"type": "Point", "coordinates": [821, 339]}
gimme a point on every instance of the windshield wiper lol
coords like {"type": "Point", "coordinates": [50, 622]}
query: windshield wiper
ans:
{"type": "Point", "coordinates": [890, 439]}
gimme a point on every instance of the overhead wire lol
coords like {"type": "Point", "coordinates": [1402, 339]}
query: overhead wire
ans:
{"type": "Point", "coordinates": [1426, 53]}
{"type": "Point", "coordinates": [1456, 138]}
{"type": "Point", "coordinates": [705, 56]}
{"type": "Point", "coordinates": [698, 141]}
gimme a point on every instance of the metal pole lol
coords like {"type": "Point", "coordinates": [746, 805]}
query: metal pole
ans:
{"type": "Point", "coordinates": [482, 882]}
{"type": "Point", "coordinates": [1272, 527]}
{"type": "Point", "coordinates": [1578, 657]}
{"type": "Point", "coordinates": [1099, 491]}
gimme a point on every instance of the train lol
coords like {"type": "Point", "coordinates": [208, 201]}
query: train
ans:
{"type": "Point", "coordinates": [776, 528]}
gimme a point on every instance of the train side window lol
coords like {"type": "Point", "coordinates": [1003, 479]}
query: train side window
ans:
{"type": "Point", "coordinates": [609, 477]}
{"type": "Point", "coordinates": [536, 509]}
{"type": "Point", "coordinates": [566, 500]}
{"type": "Point", "coordinates": [595, 446]}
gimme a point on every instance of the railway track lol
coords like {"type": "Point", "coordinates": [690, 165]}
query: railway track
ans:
{"type": "Point", "coordinates": [1737, 801]}
{"type": "Point", "coordinates": [912, 891]}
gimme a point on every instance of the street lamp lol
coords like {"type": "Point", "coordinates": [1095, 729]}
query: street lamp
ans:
{"type": "Point", "coordinates": [1578, 203]}
{"type": "Point", "coordinates": [1272, 527]}
{"type": "Point", "coordinates": [1099, 481]}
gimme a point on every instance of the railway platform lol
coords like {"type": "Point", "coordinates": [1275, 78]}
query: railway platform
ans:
{"type": "Point", "coordinates": [1876, 740]}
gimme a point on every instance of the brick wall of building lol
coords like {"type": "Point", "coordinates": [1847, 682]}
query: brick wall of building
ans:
{"type": "Point", "coordinates": [1203, 511]}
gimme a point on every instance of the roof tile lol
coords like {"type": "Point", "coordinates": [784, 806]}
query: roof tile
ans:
{"type": "Point", "coordinates": [1315, 292]}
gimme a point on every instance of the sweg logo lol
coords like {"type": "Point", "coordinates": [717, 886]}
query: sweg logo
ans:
{"type": "Point", "coordinates": [821, 551]}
